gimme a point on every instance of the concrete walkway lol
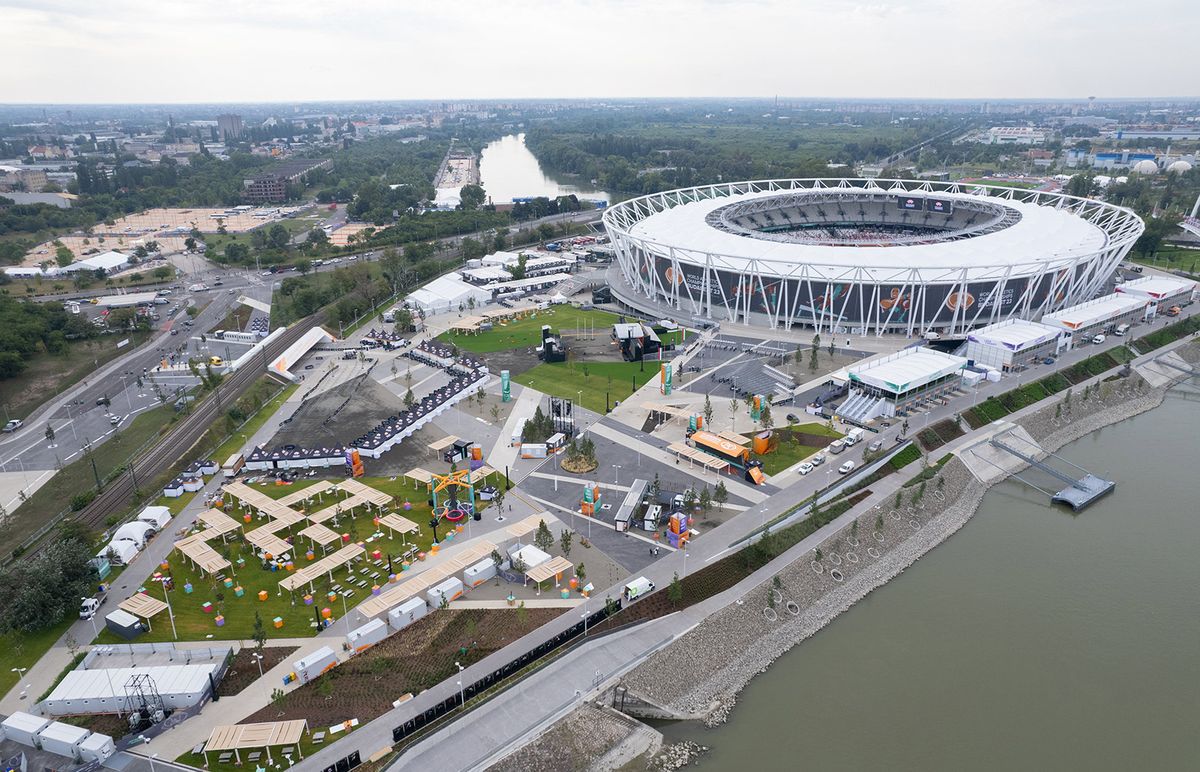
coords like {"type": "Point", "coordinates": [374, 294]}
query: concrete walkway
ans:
{"type": "Point", "coordinates": [503, 453]}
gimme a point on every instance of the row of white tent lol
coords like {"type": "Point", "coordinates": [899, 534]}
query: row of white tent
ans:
{"type": "Point", "coordinates": [130, 539]}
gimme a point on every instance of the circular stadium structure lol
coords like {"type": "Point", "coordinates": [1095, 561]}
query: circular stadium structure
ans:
{"type": "Point", "coordinates": [864, 256]}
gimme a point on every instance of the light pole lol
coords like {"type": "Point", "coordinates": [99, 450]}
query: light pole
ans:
{"type": "Point", "coordinates": [616, 474]}
{"type": "Point", "coordinates": [685, 562]}
{"type": "Point", "coordinates": [258, 658]}
{"type": "Point", "coordinates": [20, 671]}
{"type": "Point", "coordinates": [170, 611]}
{"type": "Point", "coordinates": [461, 698]}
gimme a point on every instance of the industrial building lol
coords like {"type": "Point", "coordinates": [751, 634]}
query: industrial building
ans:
{"type": "Point", "coordinates": [271, 186]}
{"type": "Point", "coordinates": [1083, 321]}
{"type": "Point", "coordinates": [1010, 344]}
{"type": "Point", "coordinates": [1161, 292]}
{"type": "Point", "coordinates": [894, 383]}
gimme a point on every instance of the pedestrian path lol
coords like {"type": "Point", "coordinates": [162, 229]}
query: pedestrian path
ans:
{"type": "Point", "coordinates": [503, 453]}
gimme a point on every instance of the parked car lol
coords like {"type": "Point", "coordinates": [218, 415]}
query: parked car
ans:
{"type": "Point", "coordinates": [13, 425]}
{"type": "Point", "coordinates": [875, 446]}
{"type": "Point", "coordinates": [1099, 339]}
{"type": "Point", "coordinates": [804, 467]}
{"type": "Point", "coordinates": [846, 468]}
{"type": "Point", "coordinates": [817, 459]}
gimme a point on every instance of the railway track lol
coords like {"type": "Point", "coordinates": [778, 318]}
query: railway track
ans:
{"type": "Point", "coordinates": [159, 458]}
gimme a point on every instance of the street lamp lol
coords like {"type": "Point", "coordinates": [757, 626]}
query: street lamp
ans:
{"type": "Point", "coordinates": [617, 474]}
{"type": "Point", "coordinates": [685, 562]}
{"type": "Point", "coordinates": [258, 658]}
{"type": "Point", "coordinates": [462, 700]}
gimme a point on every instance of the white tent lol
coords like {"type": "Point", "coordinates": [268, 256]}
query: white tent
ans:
{"type": "Point", "coordinates": [124, 549]}
{"type": "Point", "coordinates": [155, 516]}
{"type": "Point", "coordinates": [447, 293]}
{"type": "Point", "coordinates": [136, 531]}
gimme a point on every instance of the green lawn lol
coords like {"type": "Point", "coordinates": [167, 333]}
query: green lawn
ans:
{"type": "Point", "coordinates": [306, 747]}
{"type": "Point", "coordinates": [587, 383]}
{"type": "Point", "coordinates": [193, 623]}
{"type": "Point", "coordinates": [527, 332]}
{"type": "Point", "coordinates": [239, 438]}
{"type": "Point", "coordinates": [24, 650]}
{"type": "Point", "coordinates": [46, 375]}
{"type": "Point", "coordinates": [787, 452]}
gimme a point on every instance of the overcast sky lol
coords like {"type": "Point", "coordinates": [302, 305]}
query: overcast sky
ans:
{"type": "Point", "coordinates": [289, 50]}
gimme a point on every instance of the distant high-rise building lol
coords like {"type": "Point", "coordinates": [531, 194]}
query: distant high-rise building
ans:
{"type": "Point", "coordinates": [229, 126]}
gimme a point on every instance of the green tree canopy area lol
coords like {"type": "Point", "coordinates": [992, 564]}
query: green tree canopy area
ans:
{"type": "Point", "coordinates": [28, 329]}
{"type": "Point", "coordinates": [44, 590]}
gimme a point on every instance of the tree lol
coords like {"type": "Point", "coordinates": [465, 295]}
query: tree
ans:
{"type": "Point", "coordinates": [162, 273]}
{"type": "Point", "coordinates": [720, 494]}
{"type": "Point", "coordinates": [812, 361]}
{"type": "Point", "coordinates": [580, 574]}
{"type": "Point", "coordinates": [409, 399]}
{"type": "Point", "coordinates": [675, 590]}
{"type": "Point", "coordinates": [259, 636]}
{"type": "Point", "coordinates": [655, 488]}
{"type": "Point", "coordinates": [303, 266]}
{"type": "Point", "coordinates": [705, 499]}
{"type": "Point", "coordinates": [764, 417]}
{"type": "Point", "coordinates": [471, 197]}
{"type": "Point", "coordinates": [733, 411]}
{"type": "Point", "coordinates": [64, 256]}
{"type": "Point", "coordinates": [189, 244]}
{"type": "Point", "coordinates": [49, 432]}
{"type": "Point", "coordinates": [278, 236]}
{"type": "Point", "coordinates": [564, 543]}
{"type": "Point", "coordinates": [708, 411]}
{"type": "Point", "coordinates": [317, 237]}
{"type": "Point", "coordinates": [543, 539]}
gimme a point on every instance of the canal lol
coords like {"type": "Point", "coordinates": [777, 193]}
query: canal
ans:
{"type": "Point", "coordinates": [1032, 639]}
{"type": "Point", "coordinates": [507, 170]}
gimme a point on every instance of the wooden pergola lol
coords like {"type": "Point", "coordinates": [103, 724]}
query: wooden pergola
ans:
{"type": "Point", "coordinates": [248, 737]}
{"type": "Point", "coordinates": [554, 567]}
{"type": "Point", "coordinates": [399, 524]}
{"type": "Point", "coordinates": [204, 557]}
{"type": "Point", "coordinates": [325, 565]}
{"type": "Point", "coordinates": [142, 605]}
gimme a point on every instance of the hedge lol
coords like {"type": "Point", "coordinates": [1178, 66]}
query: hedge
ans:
{"type": "Point", "coordinates": [1168, 334]}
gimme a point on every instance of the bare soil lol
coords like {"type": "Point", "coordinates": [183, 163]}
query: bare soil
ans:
{"type": "Point", "coordinates": [243, 671]}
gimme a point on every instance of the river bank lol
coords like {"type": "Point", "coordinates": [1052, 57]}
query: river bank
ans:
{"type": "Point", "coordinates": [873, 545]}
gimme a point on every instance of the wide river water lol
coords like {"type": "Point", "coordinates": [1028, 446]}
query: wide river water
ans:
{"type": "Point", "coordinates": [1031, 639]}
{"type": "Point", "coordinates": [507, 170]}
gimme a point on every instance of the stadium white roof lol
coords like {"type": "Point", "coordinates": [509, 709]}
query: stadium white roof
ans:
{"type": "Point", "coordinates": [1094, 311]}
{"type": "Point", "coordinates": [1014, 334]}
{"type": "Point", "coordinates": [1156, 287]}
{"type": "Point", "coordinates": [1042, 234]}
{"type": "Point", "coordinates": [906, 369]}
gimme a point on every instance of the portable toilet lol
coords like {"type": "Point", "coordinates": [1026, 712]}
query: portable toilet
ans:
{"type": "Point", "coordinates": [362, 638]}
{"type": "Point", "coordinates": [308, 668]}
{"type": "Point", "coordinates": [479, 573]}
{"type": "Point", "coordinates": [449, 589]}
{"type": "Point", "coordinates": [97, 747]}
{"type": "Point", "coordinates": [23, 728]}
{"type": "Point", "coordinates": [407, 612]}
{"type": "Point", "coordinates": [63, 739]}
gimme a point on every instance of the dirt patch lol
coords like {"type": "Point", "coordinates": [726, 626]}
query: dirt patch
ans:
{"type": "Point", "coordinates": [109, 724]}
{"type": "Point", "coordinates": [340, 415]}
{"type": "Point", "coordinates": [243, 671]}
{"type": "Point", "coordinates": [408, 662]}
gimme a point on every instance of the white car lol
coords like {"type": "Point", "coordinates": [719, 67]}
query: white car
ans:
{"type": "Point", "coordinates": [817, 459]}
{"type": "Point", "coordinates": [1099, 339]}
{"type": "Point", "coordinates": [13, 425]}
{"type": "Point", "coordinates": [846, 468]}
{"type": "Point", "coordinates": [804, 468]}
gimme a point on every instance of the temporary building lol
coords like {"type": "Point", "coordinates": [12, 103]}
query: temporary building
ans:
{"type": "Point", "coordinates": [313, 665]}
{"type": "Point", "coordinates": [120, 551]}
{"type": "Point", "coordinates": [448, 589]}
{"type": "Point", "coordinates": [63, 739]}
{"type": "Point", "coordinates": [475, 575]}
{"type": "Point", "coordinates": [407, 612]}
{"type": "Point", "coordinates": [447, 293]}
{"type": "Point", "coordinates": [97, 747]}
{"type": "Point", "coordinates": [136, 531]}
{"type": "Point", "coordinates": [102, 690]}
{"type": "Point", "coordinates": [124, 624]}
{"type": "Point", "coordinates": [23, 728]}
{"type": "Point", "coordinates": [192, 484]}
{"type": "Point", "coordinates": [173, 489]}
{"type": "Point", "coordinates": [155, 516]}
{"type": "Point", "coordinates": [529, 556]}
{"type": "Point", "coordinates": [368, 635]}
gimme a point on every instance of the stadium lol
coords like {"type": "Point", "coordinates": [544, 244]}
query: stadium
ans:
{"type": "Point", "coordinates": [864, 256]}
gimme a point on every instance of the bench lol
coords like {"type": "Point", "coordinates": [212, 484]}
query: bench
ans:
{"type": "Point", "coordinates": [318, 738]}
{"type": "Point", "coordinates": [255, 756]}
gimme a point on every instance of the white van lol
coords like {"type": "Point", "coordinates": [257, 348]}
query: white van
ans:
{"type": "Point", "coordinates": [846, 468]}
{"type": "Point", "coordinates": [1121, 330]}
{"type": "Point", "coordinates": [638, 587]}
{"type": "Point", "coordinates": [853, 437]}
{"type": "Point", "coordinates": [1098, 339]}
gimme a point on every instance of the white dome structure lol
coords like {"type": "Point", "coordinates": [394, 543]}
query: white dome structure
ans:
{"type": "Point", "coordinates": [1145, 167]}
{"type": "Point", "coordinates": [1179, 167]}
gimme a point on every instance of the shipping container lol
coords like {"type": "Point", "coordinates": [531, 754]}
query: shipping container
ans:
{"type": "Point", "coordinates": [407, 612]}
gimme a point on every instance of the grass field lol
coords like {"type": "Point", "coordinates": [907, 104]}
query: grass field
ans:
{"type": "Point", "coordinates": [787, 452]}
{"type": "Point", "coordinates": [193, 623]}
{"type": "Point", "coordinates": [527, 332]}
{"type": "Point", "coordinates": [24, 650]}
{"type": "Point", "coordinates": [588, 383]}
{"type": "Point", "coordinates": [46, 374]}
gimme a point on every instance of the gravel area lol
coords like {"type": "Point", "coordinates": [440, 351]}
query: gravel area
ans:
{"type": "Point", "coordinates": [575, 742]}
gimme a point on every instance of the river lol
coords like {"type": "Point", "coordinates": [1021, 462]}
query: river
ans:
{"type": "Point", "coordinates": [1032, 639]}
{"type": "Point", "coordinates": [507, 170]}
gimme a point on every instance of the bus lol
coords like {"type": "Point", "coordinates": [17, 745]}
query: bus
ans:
{"type": "Point", "coordinates": [721, 448]}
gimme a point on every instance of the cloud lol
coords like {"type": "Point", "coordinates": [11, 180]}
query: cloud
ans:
{"type": "Point", "coordinates": [271, 50]}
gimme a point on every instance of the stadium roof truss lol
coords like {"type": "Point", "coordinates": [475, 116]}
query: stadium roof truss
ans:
{"type": "Point", "coordinates": [1076, 274]}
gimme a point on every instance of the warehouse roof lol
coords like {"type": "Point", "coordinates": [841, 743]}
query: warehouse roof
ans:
{"type": "Point", "coordinates": [906, 369]}
{"type": "Point", "coordinates": [1094, 311]}
{"type": "Point", "coordinates": [1157, 286]}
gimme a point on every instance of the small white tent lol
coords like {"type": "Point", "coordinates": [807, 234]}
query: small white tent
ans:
{"type": "Point", "coordinates": [136, 531]}
{"type": "Point", "coordinates": [123, 549]}
{"type": "Point", "coordinates": [155, 516]}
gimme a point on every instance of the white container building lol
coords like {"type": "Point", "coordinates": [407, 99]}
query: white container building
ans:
{"type": "Point", "coordinates": [368, 635]}
{"type": "Point", "coordinates": [893, 383]}
{"type": "Point", "coordinates": [63, 739]}
{"type": "Point", "coordinates": [97, 747]}
{"type": "Point", "coordinates": [449, 589]}
{"type": "Point", "coordinates": [475, 575]}
{"type": "Point", "coordinates": [23, 728]}
{"type": "Point", "coordinates": [1161, 292]}
{"type": "Point", "coordinates": [407, 612]}
{"type": "Point", "coordinates": [102, 690]}
{"type": "Point", "coordinates": [315, 664]}
{"type": "Point", "coordinates": [1084, 321]}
